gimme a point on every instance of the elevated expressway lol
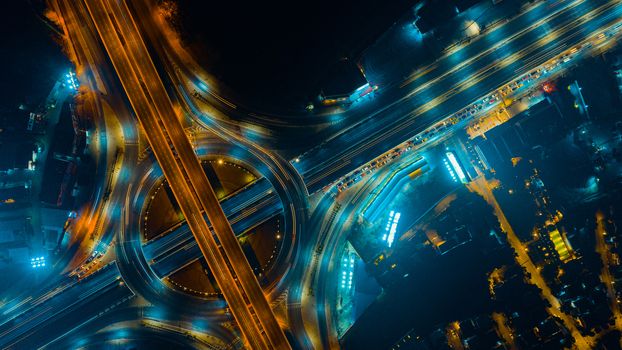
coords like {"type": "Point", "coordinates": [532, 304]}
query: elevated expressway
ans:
{"type": "Point", "coordinates": [72, 311]}
{"type": "Point", "coordinates": [175, 247]}
{"type": "Point", "coordinates": [455, 81]}
{"type": "Point", "coordinates": [41, 318]}
{"type": "Point", "coordinates": [414, 101]}
{"type": "Point", "coordinates": [182, 169]}
{"type": "Point", "coordinates": [85, 46]}
{"type": "Point", "coordinates": [427, 96]}
{"type": "Point", "coordinates": [493, 58]}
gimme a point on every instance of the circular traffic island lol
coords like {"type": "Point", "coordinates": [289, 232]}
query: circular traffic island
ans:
{"type": "Point", "coordinates": [170, 248]}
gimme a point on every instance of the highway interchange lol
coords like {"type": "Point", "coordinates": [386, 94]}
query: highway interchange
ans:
{"type": "Point", "coordinates": [129, 89]}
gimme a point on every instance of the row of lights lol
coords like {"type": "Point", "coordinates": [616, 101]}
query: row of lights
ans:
{"type": "Point", "coordinates": [451, 172]}
{"type": "Point", "coordinates": [346, 276]}
{"type": "Point", "coordinates": [453, 161]}
{"type": "Point", "coordinates": [37, 262]}
{"type": "Point", "coordinates": [72, 81]}
{"type": "Point", "coordinates": [391, 228]}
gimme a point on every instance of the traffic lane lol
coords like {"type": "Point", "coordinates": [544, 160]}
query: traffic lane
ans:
{"type": "Point", "coordinates": [161, 103]}
{"type": "Point", "coordinates": [238, 200]}
{"type": "Point", "coordinates": [195, 173]}
{"type": "Point", "coordinates": [83, 336]}
{"type": "Point", "coordinates": [72, 255]}
{"type": "Point", "coordinates": [135, 269]}
{"type": "Point", "coordinates": [72, 9]}
{"type": "Point", "coordinates": [463, 98]}
{"type": "Point", "coordinates": [163, 108]}
{"type": "Point", "coordinates": [148, 174]}
{"type": "Point", "coordinates": [137, 273]}
{"type": "Point", "coordinates": [65, 321]}
{"type": "Point", "coordinates": [301, 268]}
{"type": "Point", "coordinates": [507, 47]}
{"type": "Point", "coordinates": [181, 235]}
{"type": "Point", "coordinates": [131, 267]}
{"type": "Point", "coordinates": [337, 237]}
{"type": "Point", "coordinates": [391, 95]}
{"type": "Point", "coordinates": [511, 36]}
{"type": "Point", "coordinates": [232, 248]}
{"type": "Point", "coordinates": [281, 173]}
{"type": "Point", "coordinates": [523, 20]}
{"type": "Point", "coordinates": [305, 163]}
{"type": "Point", "coordinates": [242, 268]}
{"type": "Point", "coordinates": [286, 181]}
{"type": "Point", "coordinates": [183, 255]}
{"type": "Point", "coordinates": [156, 92]}
{"type": "Point", "coordinates": [539, 32]}
{"type": "Point", "coordinates": [18, 306]}
{"type": "Point", "coordinates": [171, 170]}
{"type": "Point", "coordinates": [199, 182]}
{"type": "Point", "coordinates": [56, 300]}
{"type": "Point", "coordinates": [142, 336]}
{"type": "Point", "coordinates": [71, 300]}
{"type": "Point", "coordinates": [290, 188]}
{"type": "Point", "coordinates": [324, 294]}
{"type": "Point", "coordinates": [251, 196]}
{"type": "Point", "coordinates": [241, 221]}
{"type": "Point", "coordinates": [527, 15]}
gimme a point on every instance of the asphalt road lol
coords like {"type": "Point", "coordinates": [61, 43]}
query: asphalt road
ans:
{"type": "Point", "coordinates": [403, 110]}
{"type": "Point", "coordinates": [184, 172]}
{"type": "Point", "coordinates": [64, 310]}
{"type": "Point", "coordinates": [127, 327]}
{"type": "Point", "coordinates": [455, 81]}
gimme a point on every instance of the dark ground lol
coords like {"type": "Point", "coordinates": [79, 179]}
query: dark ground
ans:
{"type": "Point", "coordinates": [31, 59]}
{"type": "Point", "coordinates": [276, 52]}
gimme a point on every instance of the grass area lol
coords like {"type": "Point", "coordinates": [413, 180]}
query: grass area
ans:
{"type": "Point", "coordinates": [195, 279]}
{"type": "Point", "coordinates": [264, 241]}
{"type": "Point", "coordinates": [260, 246]}
{"type": "Point", "coordinates": [162, 210]}
{"type": "Point", "coordinates": [231, 176]}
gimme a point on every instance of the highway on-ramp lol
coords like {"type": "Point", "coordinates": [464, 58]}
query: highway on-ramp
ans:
{"type": "Point", "coordinates": [183, 171]}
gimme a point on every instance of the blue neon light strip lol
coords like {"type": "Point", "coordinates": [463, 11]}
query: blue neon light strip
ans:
{"type": "Point", "coordinates": [456, 166]}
